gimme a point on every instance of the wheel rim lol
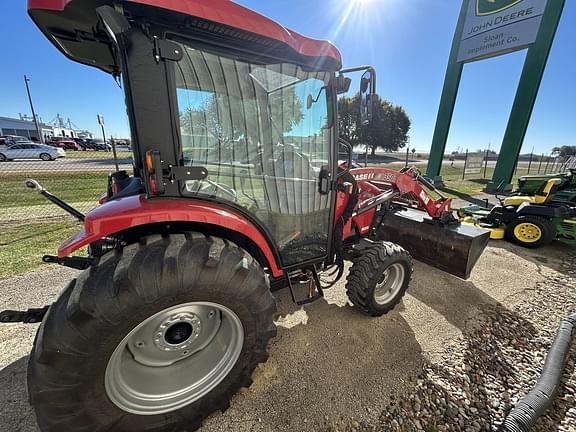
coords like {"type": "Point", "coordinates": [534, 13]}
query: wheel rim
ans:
{"type": "Point", "coordinates": [174, 358]}
{"type": "Point", "coordinates": [45, 157]}
{"type": "Point", "coordinates": [390, 284]}
{"type": "Point", "coordinates": [527, 232]}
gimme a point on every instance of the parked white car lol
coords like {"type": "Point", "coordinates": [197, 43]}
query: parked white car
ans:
{"type": "Point", "coordinates": [30, 150]}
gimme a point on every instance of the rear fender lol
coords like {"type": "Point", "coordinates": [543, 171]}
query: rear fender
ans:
{"type": "Point", "coordinates": [135, 212]}
{"type": "Point", "coordinates": [538, 210]}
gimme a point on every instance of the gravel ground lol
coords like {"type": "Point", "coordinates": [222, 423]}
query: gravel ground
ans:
{"type": "Point", "coordinates": [455, 355]}
{"type": "Point", "coordinates": [478, 379]}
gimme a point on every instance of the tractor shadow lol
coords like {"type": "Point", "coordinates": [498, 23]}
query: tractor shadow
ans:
{"type": "Point", "coordinates": [16, 414]}
{"type": "Point", "coordinates": [329, 362]}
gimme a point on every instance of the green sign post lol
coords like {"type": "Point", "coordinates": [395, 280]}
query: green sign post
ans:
{"type": "Point", "coordinates": [487, 28]}
{"type": "Point", "coordinates": [447, 102]}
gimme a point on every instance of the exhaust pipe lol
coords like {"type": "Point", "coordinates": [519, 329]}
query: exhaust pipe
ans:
{"type": "Point", "coordinates": [34, 185]}
{"type": "Point", "coordinates": [524, 416]}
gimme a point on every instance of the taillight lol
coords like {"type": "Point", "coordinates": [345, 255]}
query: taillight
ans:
{"type": "Point", "coordinates": [150, 162]}
{"type": "Point", "coordinates": [103, 199]}
{"type": "Point", "coordinates": [155, 172]}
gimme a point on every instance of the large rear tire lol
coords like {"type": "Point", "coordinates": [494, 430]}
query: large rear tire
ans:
{"type": "Point", "coordinates": [155, 337]}
{"type": "Point", "coordinates": [379, 278]}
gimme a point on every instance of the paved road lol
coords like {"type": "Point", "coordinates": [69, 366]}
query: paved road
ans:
{"type": "Point", "coordinates": [328, 362]}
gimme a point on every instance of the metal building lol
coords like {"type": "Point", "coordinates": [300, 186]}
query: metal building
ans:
{"type": "Point", "coordinates": [25, 128]}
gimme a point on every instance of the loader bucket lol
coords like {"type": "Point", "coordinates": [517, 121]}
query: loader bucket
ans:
{"type": "Point", "coordinates": [453, 249]}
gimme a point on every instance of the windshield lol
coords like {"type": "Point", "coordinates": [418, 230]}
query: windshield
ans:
{"type": "Point", "coordinates": [263, 133]}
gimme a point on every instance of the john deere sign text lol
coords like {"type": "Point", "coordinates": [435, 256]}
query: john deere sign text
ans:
{"type": "Point", "coordinates": [495, 27]}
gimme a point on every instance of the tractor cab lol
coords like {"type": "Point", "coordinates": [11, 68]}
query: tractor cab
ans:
{"type": "Point", "coordinates": [225, 106]}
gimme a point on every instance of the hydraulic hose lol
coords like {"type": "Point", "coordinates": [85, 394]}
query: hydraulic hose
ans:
{"type": "Point", "coordinates": [523, 417]}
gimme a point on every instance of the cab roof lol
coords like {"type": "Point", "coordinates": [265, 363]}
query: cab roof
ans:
{"type": "Point", "coordinates": [73, 26]}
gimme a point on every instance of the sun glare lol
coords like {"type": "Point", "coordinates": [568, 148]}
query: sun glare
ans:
{"type": "Point", "coordinates": [354, 13]}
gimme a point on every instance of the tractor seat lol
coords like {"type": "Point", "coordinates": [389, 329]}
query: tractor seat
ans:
{"type": "Point", "coordinates": [542, 196]}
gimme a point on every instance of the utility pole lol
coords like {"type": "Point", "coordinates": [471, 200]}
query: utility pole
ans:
{"type": "Point", "coordinates": [38, 131]}
{"type": "Point", "coordinates": [486, 160]}
{"type": "Point", "coordinates": [407, 155]}
{"type": "Point", "coordinates": [101, 122]}
{"type": "Point", "coordinates": [530, 162]}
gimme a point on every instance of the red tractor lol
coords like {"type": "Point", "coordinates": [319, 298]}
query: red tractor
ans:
{"type": "Point", "coordinates": [237, 190]}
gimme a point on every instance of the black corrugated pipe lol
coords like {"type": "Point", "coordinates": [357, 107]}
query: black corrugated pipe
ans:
{"type": "Point", "coordinates": [523, 417]}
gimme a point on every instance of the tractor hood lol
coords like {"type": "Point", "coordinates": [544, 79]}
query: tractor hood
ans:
{"type": "Point", "coordinates": [73, 26]}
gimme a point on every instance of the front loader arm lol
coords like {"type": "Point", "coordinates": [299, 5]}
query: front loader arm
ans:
{"type": "Point", "coordinates": [422, 223]}
{"type": "Point", "coordinates": [374, 181]}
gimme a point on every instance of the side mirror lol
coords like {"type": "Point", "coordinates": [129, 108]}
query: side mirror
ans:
{"type": "Point", "coordinates": [309, 101]}
{"type": "Point", "coordinates": [366, 97]}
{"type": "Point", "coordinates": [342, 84]}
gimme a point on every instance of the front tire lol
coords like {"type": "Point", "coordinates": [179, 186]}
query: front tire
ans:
{"type": "Point", "coordinates": [45, 157]}
{"type": "Point", "coordinates": [379, 278]}
{"type": "Point", "coordinates": [101, 362]}
{"type": "Point", "coordinates": [531, 231]}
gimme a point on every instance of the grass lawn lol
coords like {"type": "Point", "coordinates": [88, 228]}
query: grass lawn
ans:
{"type": "Point", "coordinates": [71, 187]}
{"type": "Point", "coordinates": [97, 155]}
{"type": "Point", "coordinates": [22, 246]}
{"type": "Point", "coordinates": [472, 184]}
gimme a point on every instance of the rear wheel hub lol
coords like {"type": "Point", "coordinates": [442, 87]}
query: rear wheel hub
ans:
{"type": "Point", "coordinates": [174, 358]}
{"type": "Point", "coordinates": [179, 333]}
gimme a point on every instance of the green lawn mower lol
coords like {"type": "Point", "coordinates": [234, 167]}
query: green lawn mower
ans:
{"type": "Point", "coordinates": [565, 190]}
{"type": "Point", "coordinates": [531, 221]}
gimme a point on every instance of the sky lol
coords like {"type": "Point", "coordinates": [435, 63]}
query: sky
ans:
{"type": "Point", "coordinates": [408, 42]}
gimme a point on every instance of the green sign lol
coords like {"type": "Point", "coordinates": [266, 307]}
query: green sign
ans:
{"type": "Point", "coordinates": [487, 28]}
{"type": "Point", "coordinates": [498, 27]}
{"type": "Point", "coordinates": [489, 7]}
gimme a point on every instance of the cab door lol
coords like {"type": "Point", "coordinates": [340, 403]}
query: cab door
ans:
{"type": "Point", "coordinates": [299, 205]}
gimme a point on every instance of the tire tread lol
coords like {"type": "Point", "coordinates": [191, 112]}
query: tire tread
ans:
{"type": "Point", "coordinates": [366, 268]}
{"type": "Point", "coordinates": [158, 267]}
